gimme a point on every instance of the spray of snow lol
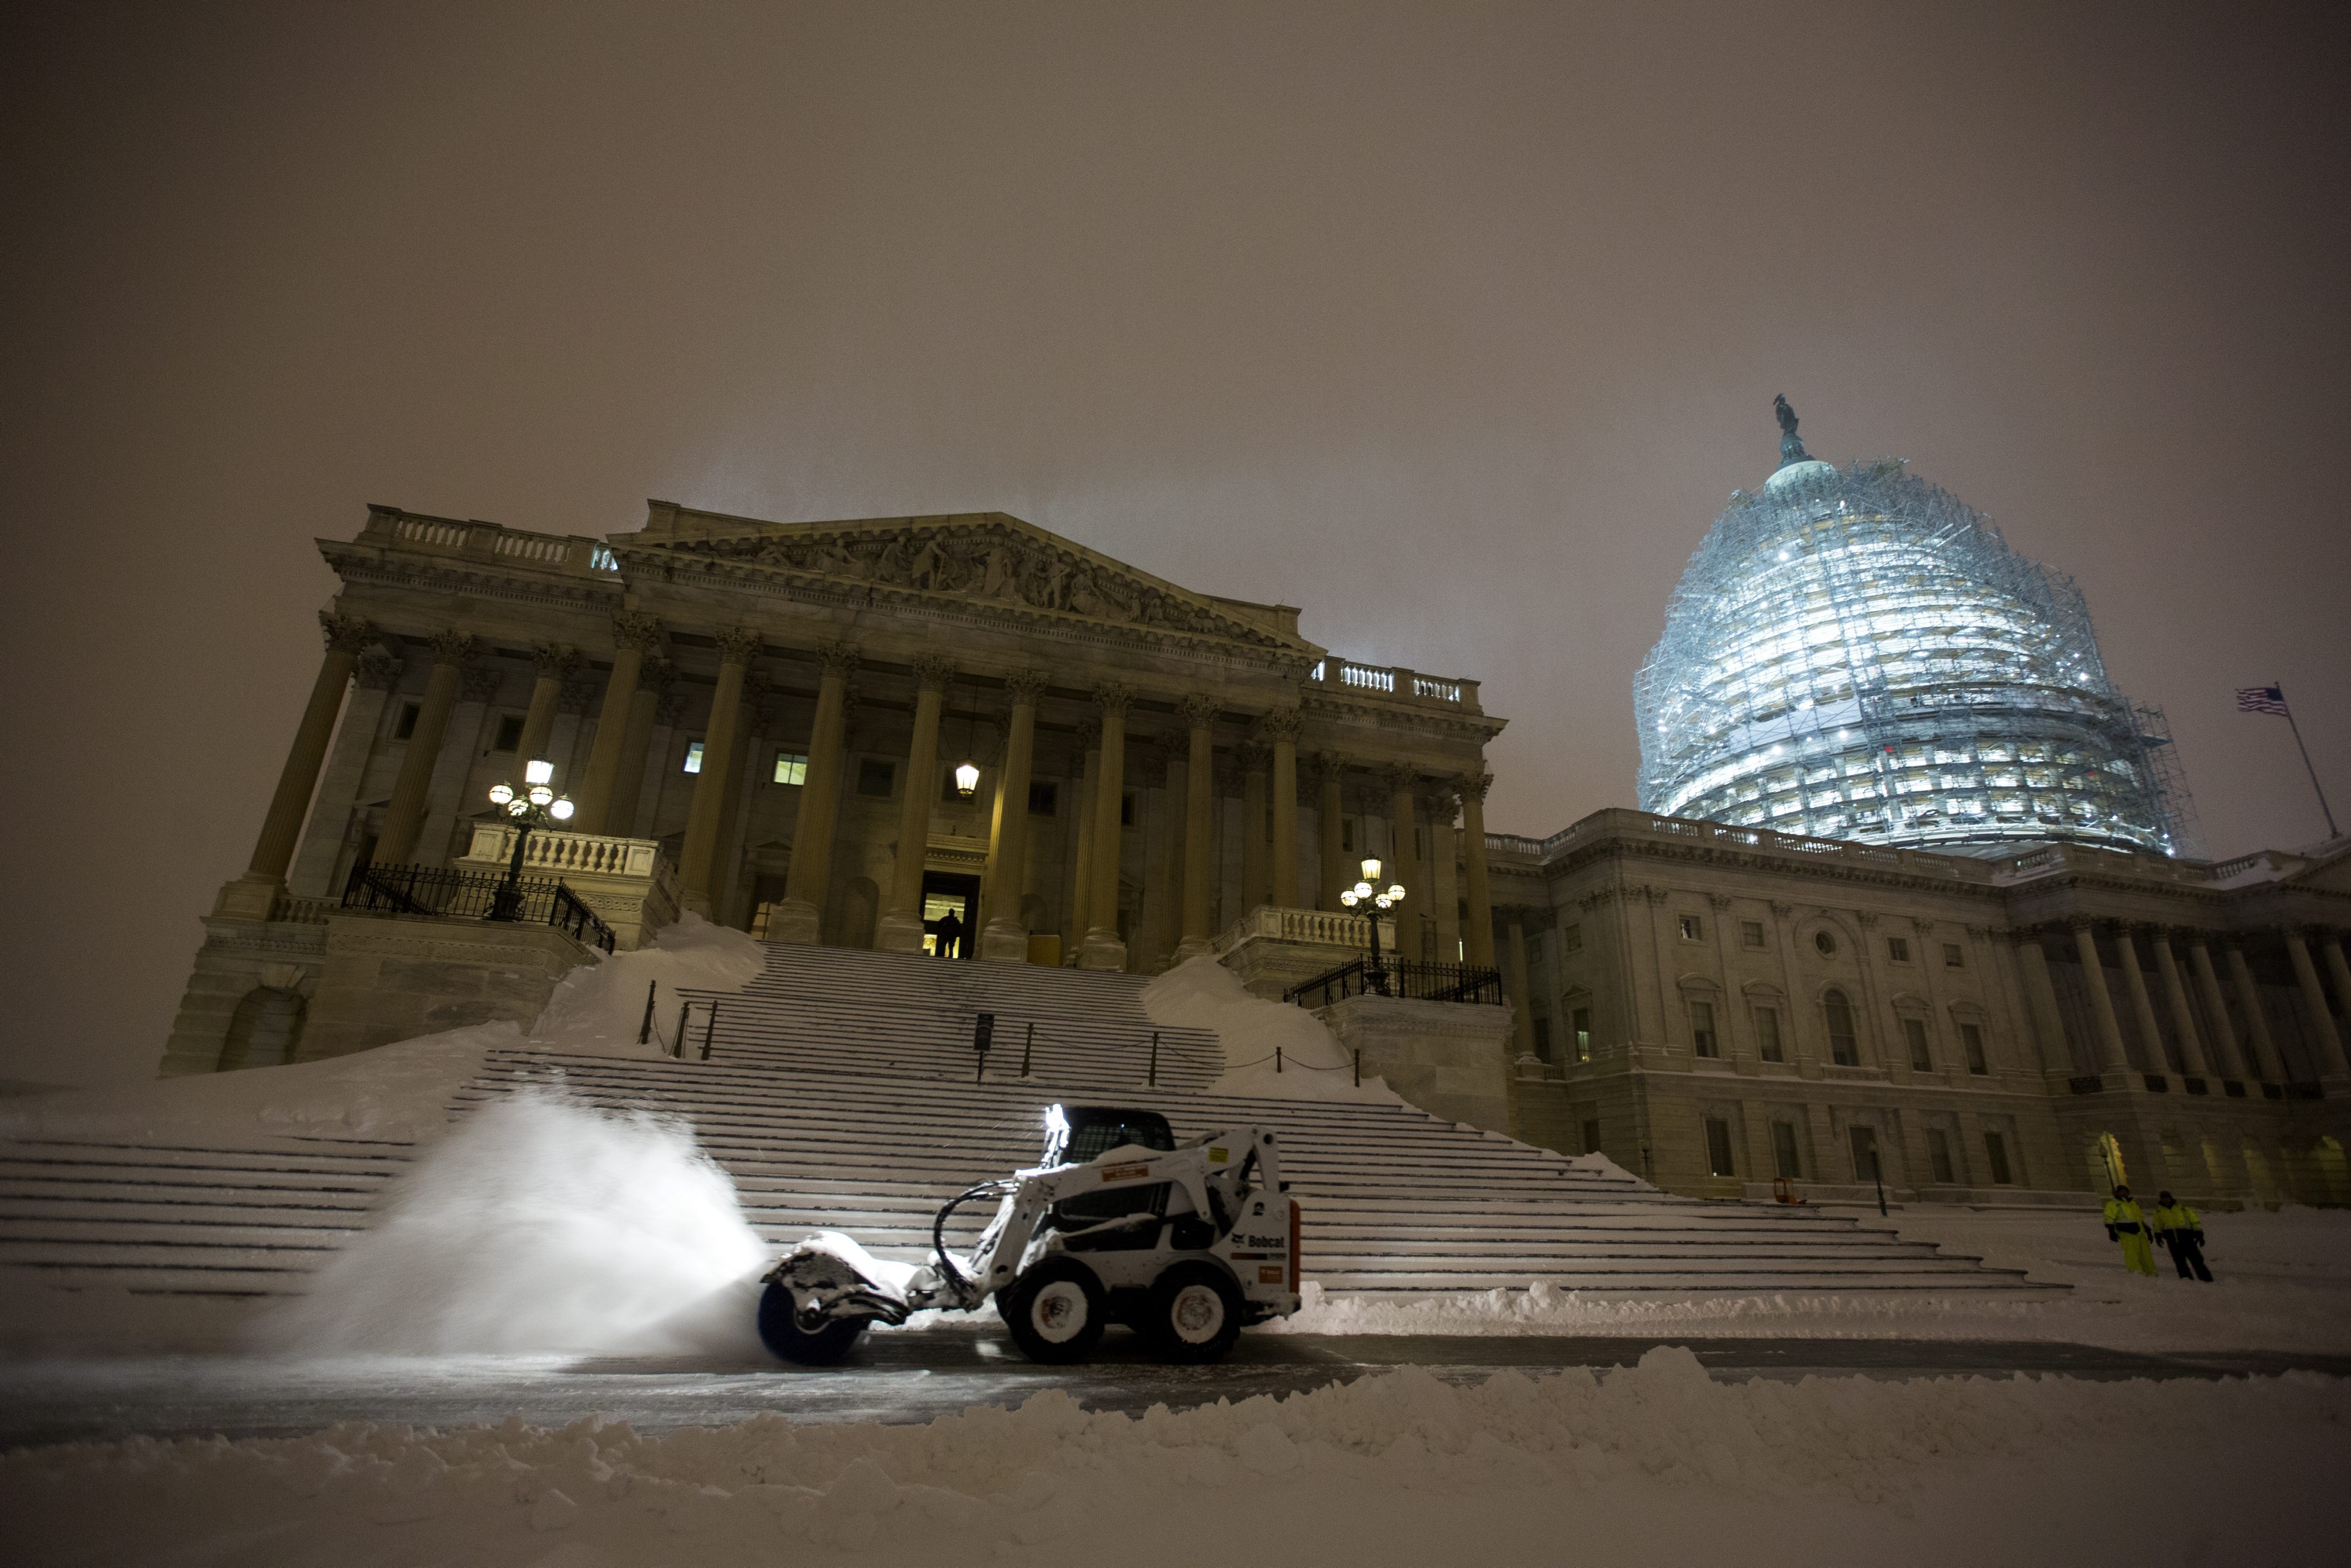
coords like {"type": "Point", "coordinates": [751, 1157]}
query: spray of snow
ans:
{"type": "Point", "coordinates": [1201, 993]}
{"type": "Point", "coordinates": [541, 1225]}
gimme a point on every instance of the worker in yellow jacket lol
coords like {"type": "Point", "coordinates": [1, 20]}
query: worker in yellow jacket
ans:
{"type": "Point", "coordinates": [2127, 1225]}
{"type": "Point", "coordinates": [2178, 1228]}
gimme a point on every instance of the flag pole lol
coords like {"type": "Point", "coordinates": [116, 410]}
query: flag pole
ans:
{"type": "Point", "coordinates": [2325, 811]}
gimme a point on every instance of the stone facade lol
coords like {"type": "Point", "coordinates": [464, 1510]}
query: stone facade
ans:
{"type": "Point", "coordinates": [772, 715]}
{"type": "Point", "coordinates": [1712, 1006]}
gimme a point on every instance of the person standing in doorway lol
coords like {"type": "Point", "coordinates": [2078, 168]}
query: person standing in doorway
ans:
{"type": "Point", "coordinates": [949, 930]}
{"type": "Point", "coordinates": [2128, 1224]}
{"type": "Point", "coordinates": [2178, 1228]}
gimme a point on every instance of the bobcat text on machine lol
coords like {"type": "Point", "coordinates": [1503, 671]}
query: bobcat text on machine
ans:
{"type": "Point", "coordinates": [1119, 1223]}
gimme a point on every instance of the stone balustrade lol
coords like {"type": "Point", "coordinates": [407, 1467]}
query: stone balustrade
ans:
{"type": "Point", "coordinates": [1319, 927]}
{"type": "Point", "coordinates": [507, 546]}
{"type": "Point", "coordinates": [1394, 681]}
{"type": "Point", "coordinates": [627, 882]}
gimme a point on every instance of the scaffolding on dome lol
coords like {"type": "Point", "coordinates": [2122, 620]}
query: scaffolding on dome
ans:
{"type": "Point", "coordinates": [1855, 654]}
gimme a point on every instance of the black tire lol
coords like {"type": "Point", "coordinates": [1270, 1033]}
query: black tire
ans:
{"type": "Point", "coordinates": [1057, 1312]}
{"type": "Point", "coordinates": [780, 1332]}
{"type": "Point", "coordinates": [1195, 1314]}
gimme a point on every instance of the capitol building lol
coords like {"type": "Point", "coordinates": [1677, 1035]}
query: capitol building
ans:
{"type": "Point", "coordinates": [1912, 900]}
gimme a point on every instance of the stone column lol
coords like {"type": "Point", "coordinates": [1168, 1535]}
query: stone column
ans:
{"type": "Point", "coordinates": [756, 715]}
{"type": "Point", "coordinates": [1522, 1014]}
{"type": "Point", "coordinates": [1476, 890]}
{"type": "Point", "coordinates": [635, 639]}
{"type": "Point", "coordinates": [807, 880]}
{"type": "Point", "coordinates": [2227, 1059]}
{"type": "Point", "coordinates": [2041, 1002]}
{"type": "Point", "coordinates": [1404, 859]}
{"type": "Point", "coordinates": [2175, 997]}
{"type": "Point", "coordinates": [312, 875]}
{"type": "Point", "coordinates": [580, 692]}
{"type": "Point", "coordinates": [646, 709]}
{"type": "Point", "coordinates": [738, 645]}
{"type": "Point", "coordinates": [1155, 932]}
{"type": "Point", "coordinates": [1005, 938]}
{"type": "Point", "coordinates": [252, 896]}
{"type": "Point", "coordinates": [554, 661]}
{"type": "Point", "coordinates": [1280, 727]}
{"type": "Point", "coordinates": [411, 792]}
{"type": "Point", "coordinates": [1444, 897]}
{"type": "Point", "coordinates": [1199, 824]}
{"type": "Point", "coordinates": [1330, 829]}
{"type": "Point", "coordinates": [2265, 1052]}
{"type": "Point", "coordinates": [2331, 1062]}
{"type": "Point", "coordinates": [900, 929]}
{"type": "Point", "coordinates": [1103, 948]}
{"type": "Point", "coordinates": [1082, 857]}
{"type": "Point", "coordinates": [1256, 886]}
{"type": "Point", "coordinates": [2112, 1057]}
{"type": "Point", "coordinates": [2142, 1005]}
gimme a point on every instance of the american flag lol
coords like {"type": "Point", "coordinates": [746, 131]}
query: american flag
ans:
{"type": "Point", "coordinates": [2261, 699]}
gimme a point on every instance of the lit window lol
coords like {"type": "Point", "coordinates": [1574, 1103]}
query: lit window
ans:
{"type": "Point", "coordinates": [1750, 934]}
{"type": "Point", "coordinates": [791, 767]}
{"type": "Point", "coordinates": [1691, 926]}
{"type": "Point", "coordinates": [694, 757]}
{"type": "Point", "coordinates": [1582, 1020]}
{"type": "Point", "coordinates": [1702, 1028]}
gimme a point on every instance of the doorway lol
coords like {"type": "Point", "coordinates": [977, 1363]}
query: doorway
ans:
{"type": "Point", "coordinates": [949, 900]}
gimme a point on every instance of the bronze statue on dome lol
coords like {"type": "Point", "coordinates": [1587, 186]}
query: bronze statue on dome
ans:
{"type": "Point", "coordinates": [1791, 447]}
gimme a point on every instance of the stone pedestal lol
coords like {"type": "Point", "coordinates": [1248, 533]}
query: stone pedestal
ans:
{"type": "Point", "coordinates": [624, 880]}
{"type": "Point", "coordinates": [793, 920]}
{"type": "Point", "coordinates": [1005, 941]}
{"type": "Point", "coordinates": [1450, 1058]}
{"type": "Point", "coordinates": [898, 932]}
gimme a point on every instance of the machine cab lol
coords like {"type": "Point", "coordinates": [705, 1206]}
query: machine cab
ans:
{"type": "Point", "coordinates": [1077, 1133]}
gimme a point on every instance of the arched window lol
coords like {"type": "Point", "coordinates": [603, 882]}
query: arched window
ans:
{"type": "Point", "coordinates": [1845, 1045]}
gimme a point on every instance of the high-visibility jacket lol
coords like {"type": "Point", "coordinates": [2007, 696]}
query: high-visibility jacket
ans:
{"type": "Point", "coordinates": [2177, 1217]}
{"type": "Point", "coordinates": [2124, 1215]}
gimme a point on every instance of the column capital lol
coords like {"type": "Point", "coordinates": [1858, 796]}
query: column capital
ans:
{"type": "Point", "coordinates": [839, 658]}
{"type": "Point", "coordinates": [1255, 756]}
{"type": "Point", "coordinates": [1281, 723]}
{"type": "Point", "coordinates": [933, 671]}
{"type": "Point", "coordinates": [633, 629]}
{"type": "Point", "coordinates": [1115, 699]}
{"type": "Point", "coordinates": [1476, 784]}
{"type": "Point", "coordinates": [454, 647]}
{"type": "Point", "coordinates": [670, 709]}
{"type": "Point", "coordinates": [557, 659]}
{"type": "Point", "coordinates": [1025, 686]}
{"type": "Point", "coordinates": [1326, 765]}
{"type": "Point", "coordinates": [737, 645]}
{"type": "Point", "coordinates": [1089, 736]}
{"type": "Point", "coordinates": [378, 671]}
{"type": "Point", "coordinates": [655, 675]}
{"type": "Point", "coordinates": [1401, 777]}
{"type": "Point", "coordinates": [1719, 902]}
{"type": "Point", "coordinates": [1200, 710]}
{"type": "Point", "coordinates": [346, 633]}
{"type": "Point", "coordinates": [2077, 924]}
{"type": "Point", "coordinates": [480, 684]}
{"type": "Point", "coordinates": [1782, 909]}
{"type": "Point", "coordinates": [1924, 926]}
{"type": "Point", "coordinates": [578, 696]}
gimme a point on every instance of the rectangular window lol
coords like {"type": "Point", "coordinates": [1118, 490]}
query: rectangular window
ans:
{"type": "Point", "coordinates": [1939, 1155]}
{"type": "Point", "coordinates": [1591, 1136]}
{"type": "Point", "coordinates": [1534, 949]}
{"type": "Point", "coordinates": [1691, 927]}
{"type": "Point", "coordinates": [1865, 1153]}
{"type": "Point", "coordinates": [1582, 1020]}
{"type": "Point", "coordinates": [1702, 1028]}
{"type": "Point", "coordinates": [1898, 949]}
{"type": "Point", "coordinates": [694, 757]}
{"type": "Point", "coordinates": [1971, 1038]}
{"type": "Point", "coordinates": [1767, 1034]}
{"type": "Point", "coordinates": [1570, 938]}
{"type": "Point", "coordinates": [1044, 798]}
{"type": "Point", "coordinates": [791, 767]}
{"type": "Point", "coordinates": [1347, 835]}
{"type": "Point", "coordinates": [1718, 1146]}
{"type": "Point", "coordinates": [1914, 1030]}
{"type": "Point", "coordinates": [1996, 1155]}
{"type": "Point", "coordinates": [1542, 1038]}
{"type": "Point", "coordinates": [510, 733]}
{"type": "Point", "coordinates": [1954, 955]}
{"type": "Point", "coordinates": [876, 776]}
{"type": "Point", "coordinates": [1126, 810]}
{"type": "Point", "coordinates": [407, 725]}
{"type": "Point", "coordinates": [1783, 1151]}
{"type": "Point", "coordinates": [1750, 934]}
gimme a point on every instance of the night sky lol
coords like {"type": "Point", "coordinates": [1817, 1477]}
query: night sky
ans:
{"type": "Point", "coordinates": [1455, 325]}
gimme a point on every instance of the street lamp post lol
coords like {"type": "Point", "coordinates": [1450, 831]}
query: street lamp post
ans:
{"type": "Point", "coordinates": [1369, 890]}
{"type": "Point", "coordinates": [534, 805]}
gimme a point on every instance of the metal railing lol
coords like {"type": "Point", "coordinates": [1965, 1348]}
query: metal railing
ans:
{"type": "Point", "coordinates": [1413, 980]}
{"type": "Point", "coordinates": [448, 894]}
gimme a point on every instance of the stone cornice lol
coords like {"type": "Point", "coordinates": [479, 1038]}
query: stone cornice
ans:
{"type": "Point", "coordinates": [388, 565]}
{"type": "Point", "coordinates": [1388, 714]}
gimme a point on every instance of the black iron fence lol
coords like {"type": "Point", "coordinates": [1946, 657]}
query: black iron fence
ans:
{"type": "Point", "coordinates": [1411, 978]}
{"type": "Point", "coordinates": [453, 895]}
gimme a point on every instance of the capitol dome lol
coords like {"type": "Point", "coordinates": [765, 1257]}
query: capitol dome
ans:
{"type": "Point", "coordinates": [1855, 653]}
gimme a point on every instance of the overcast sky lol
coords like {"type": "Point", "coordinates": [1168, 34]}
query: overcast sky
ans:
{"type": "Point", "coordinates": [1455, 325]}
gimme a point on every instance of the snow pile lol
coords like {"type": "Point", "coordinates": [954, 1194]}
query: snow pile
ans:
{"type": "Point", "coordinates": [1656, 1463]}
{"type": "Point", "coordinates": [539, 1225]}
{"type": "Point", "coordinates": [401, 1093]}
{"type": "Point", "coordinates": [1201, 993]}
